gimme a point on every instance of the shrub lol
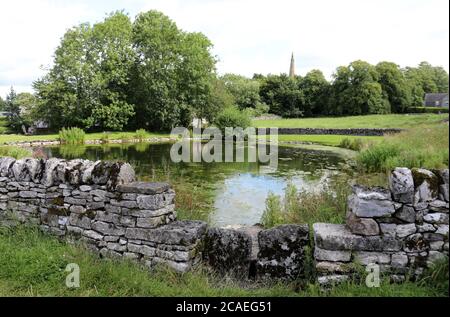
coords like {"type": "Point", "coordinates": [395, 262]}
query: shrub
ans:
{"type": "Point", "coordinates": [327, 205]}
{"type": "Point", "coordinates": [233, 118]}
{"type": "Point", "coordinates": [423, 146]}
{"type": "Point", "coordinates": [273, 214]}
{"type": "Point", "coordinates": [355, 144]}
{"type": "Point", "coordinates": [140, 134]}
{"type": "Point", "coordinates": [16, 152]}
{"type": "Point", "coordinates": [72, 136]}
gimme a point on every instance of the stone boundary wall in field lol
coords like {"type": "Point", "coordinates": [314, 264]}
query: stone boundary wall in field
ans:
{"type": "Point", "coordinates": [403, 229]}
{"type": "Point", "coordinates": [350, 132]}
{"type": "Point", "coordinates": [37, 143]}
{"type": "Point", "coordinates": [100, 204]}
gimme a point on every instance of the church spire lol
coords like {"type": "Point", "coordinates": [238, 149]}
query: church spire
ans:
{"type": "Point", "coordinates": [292, 68]}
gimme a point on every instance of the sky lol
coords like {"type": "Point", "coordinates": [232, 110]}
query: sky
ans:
{"type": "Point", "coordinates": [249, 36]}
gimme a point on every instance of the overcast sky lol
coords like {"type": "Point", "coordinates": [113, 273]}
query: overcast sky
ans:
{"type": "Point", "coordinates": [249, 36]}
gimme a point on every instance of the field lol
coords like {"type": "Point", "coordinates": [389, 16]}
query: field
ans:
{"type": "Point", "coordinates": [4, 138]}
{"type": "Point", "coordinates": [33, 264]}
{"type": "Point", "coordinates": [402, 121]}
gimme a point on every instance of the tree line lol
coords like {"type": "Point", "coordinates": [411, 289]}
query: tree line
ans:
{"type": "Point", "coordinates": [120, 74]}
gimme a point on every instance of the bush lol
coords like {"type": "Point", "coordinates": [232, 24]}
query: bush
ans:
{"type": "Point", "coordinates": [233, 118]}
{"type": "Point", "coordinates": [423, 146]}
{"type": "Point", "coordinates": [355, 145]}
{"type": "Point", "coordinates": [328, 205]}
{"type": "Point", "coordinates": [72, 136]}
{"type": "Point", "coordinates": [141, 134]}
{"type": "Point", "coordinates": [16, 152]}
{"type": "Point", "coordinates": [435, 110]}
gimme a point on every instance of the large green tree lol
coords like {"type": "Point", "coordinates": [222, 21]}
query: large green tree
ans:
{"type": "Point", "coordinates": [171, 78]}
{"type": "Point", "coordinates": [283, 95]}
{"type": "Point", "coordinates": [314, 87]}
{"type": "Point", "coordinates": [244, 90]}
{"type": "Point", "coordinates": [395, 86]}
{"type": "Point", "coordinates": [356, 90]}
{"type": "Point", "coordinates": [87, 86]}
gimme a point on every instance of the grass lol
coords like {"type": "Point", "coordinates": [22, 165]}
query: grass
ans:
{"type": "Point", "coordinates": [426, 146]}
{"type": "Point", "coordinates": [72, 136]}
{"type": "Point", "coordinates": [403, 121]}
{"type": "Point", "coordinates": [33, 264]}
{"type": "Point", "coordinates": [14, 151]}
{"type": "Point", "coordinates": [328, 205]}
{"type": "Point", "coordinates": [4, 138]}
{"type": "Point", "coordinates": [328, 140]}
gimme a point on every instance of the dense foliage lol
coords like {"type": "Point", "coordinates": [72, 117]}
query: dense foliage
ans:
{"type": "Point", "coordinates": [120, 74]}
{"type": "Point", "coordinates": [117, 74]}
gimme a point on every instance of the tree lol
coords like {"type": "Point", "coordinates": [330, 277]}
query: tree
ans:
{"type": "Point", "coordinates": [171, 78]}
{"type": "Point", "coordinates": [394, 85]}
{"type": "Point", "coordinates": [314, 87]}
{"type": "Point", "coordinates": [19, 108]}
{"type": "Point", "coordinates": [87, 85]}
{"type": "Point", "coordinates": [244, 90]}
{"type": "Point", "coordinates": [283, 95]}
{"type": "Point", "coordinates": [2, 104]}
{"type": "Point", "coordinates": [219, 99]}
{"type": "Point", "coordinates": [356, 90]}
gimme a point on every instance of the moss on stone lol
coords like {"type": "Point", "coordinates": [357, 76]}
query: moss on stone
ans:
{"type": "Point", "coordinates": [58, 211]}
{"type": "Point", "coordinates": [420, 177]}
{"type": "Point", "coordinates": [58, 201]}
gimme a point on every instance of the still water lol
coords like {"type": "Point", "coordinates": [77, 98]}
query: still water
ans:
{"type": "Point", "coordinates": [240, 189]}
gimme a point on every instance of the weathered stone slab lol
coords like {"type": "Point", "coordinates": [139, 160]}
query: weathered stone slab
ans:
{"type": "Point", "coordinates": [144, 188]}
{"type": "Point", "coordinates": [177, 233]}
{"type": "Point", "coordinates": [399, 260]}
{"type": "Point", "coordinates": [370, 203]}
{"type": "Point", "coordinates": [228, 251]}
{"type": "Point", "coordinates": [426, 185]}
{"type": "Point", "coordinates": [281, 251]}
{"type": "Point", "coordinates": [338, 237]}
{"type": "Point", "coordinates": [332, 280]}
{"type": "Point", "coordinates": [366, 258]}
{"type": "Point", "coordinates": [401, 183]}
{"type": "Point", "coordinates": [333, 267]}
{"type": "Point", "coordinates": [362, 226]}
{"type": "Point", "coordinates": [444, 185]}
{"type": "Point", "coordinates": [406, 230]}
{"type": "Point", "coordinates": [332, 256]}
{"type": "Point", "coordinates": [436, 218]}
{"type": "Point", "coordinates": [406, 214]}
{"type": "Point", "coordinates": [439, 206]}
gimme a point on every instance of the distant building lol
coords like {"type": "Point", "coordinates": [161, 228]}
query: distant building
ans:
{"type": "Point", "coordinates": [292, 68]}
{"type": "Point", "coordinates": [436, 100]}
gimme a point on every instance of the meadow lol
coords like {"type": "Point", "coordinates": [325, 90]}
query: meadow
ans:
{"type": "Point", "coordinates": [33, 264]}
{"type": "Point", "coordinates": [401, 121]}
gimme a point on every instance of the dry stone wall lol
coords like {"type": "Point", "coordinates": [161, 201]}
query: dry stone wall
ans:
{"type": "Point", "coordinates": [100, 204]}
{"type": "Point", "coordinates": [403, 230]}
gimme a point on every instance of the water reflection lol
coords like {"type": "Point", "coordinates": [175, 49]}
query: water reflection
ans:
{"type": "Point", "coordinates": [241, 187]}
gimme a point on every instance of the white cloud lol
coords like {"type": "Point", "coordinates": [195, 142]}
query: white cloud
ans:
{"type": "Point", "coordinates": [249, 36]}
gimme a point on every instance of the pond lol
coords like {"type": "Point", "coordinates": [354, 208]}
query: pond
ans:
{"type": "Point", "coordinates": [239, 189]}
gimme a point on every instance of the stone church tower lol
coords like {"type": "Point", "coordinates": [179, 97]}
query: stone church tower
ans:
{"type": "Point", "coordinates": [292, 68]}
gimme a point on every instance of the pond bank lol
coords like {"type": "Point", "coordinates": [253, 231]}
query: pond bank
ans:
{"type": "Point", "coordinates": [89, 142]}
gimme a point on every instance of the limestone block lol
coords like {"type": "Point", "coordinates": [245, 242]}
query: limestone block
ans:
{"type": "Point", "coordinates": [401, 184]}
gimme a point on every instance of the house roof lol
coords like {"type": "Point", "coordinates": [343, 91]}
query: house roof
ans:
{"type": "Point", "coordinates": [435, 97]}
